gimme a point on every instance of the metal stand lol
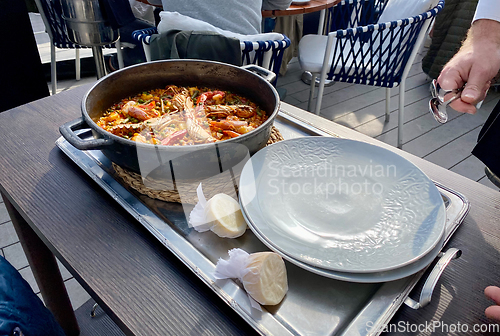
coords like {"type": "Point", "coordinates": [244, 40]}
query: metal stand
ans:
{"type": "Point", "coordinates": [87, 26]}
{"type": "Point", "coordinates": [306, 78]}
{"type": "Point", "coordinates": [99, 61]}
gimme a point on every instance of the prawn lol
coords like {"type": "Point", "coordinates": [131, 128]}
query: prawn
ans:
{"type": "Point", "coordinates": [222, 111]}
{"type": "Point", "coordinates": [231, 134]}
{"type": "Point", "coordinates": [140, 112]}
{"type": "Point", "coordinates": [174, 137]}
{"type": "Point", "coordinates": [241, 127]}
{"type": "Point", "coordinates": [182, 101]}
{"type": "Point", "coordinates": [159, 124]}
{"type": "Point", "coordinates": [216, 96]}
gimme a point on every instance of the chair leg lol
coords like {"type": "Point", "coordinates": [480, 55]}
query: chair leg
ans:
{"type": "Point", "coordinates": [387, 104]}
{"type": "Point", "coordinates": [53, 70]}
{"type": "Point", "coordinates": [401, 113]}
{"type": "Point", "coordinates": [119, 54]}
{"type": "Point", "coordinates": [147, 51]}
{"type": "Point", "coordinates": [321, 24]}
{"type": "Point", "coordinates": [77, 64]}
{"type": "Point", "coordinates": [311, 92]}
{"type": "Point", "coordinates": [320, 93]}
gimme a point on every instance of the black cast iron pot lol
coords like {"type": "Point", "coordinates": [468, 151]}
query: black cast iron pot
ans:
{"type": "Point", "coordinates": [190, 163]}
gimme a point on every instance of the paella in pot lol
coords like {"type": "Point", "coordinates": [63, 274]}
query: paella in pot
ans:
{"type": "Point", "coordinates": [178, 119]}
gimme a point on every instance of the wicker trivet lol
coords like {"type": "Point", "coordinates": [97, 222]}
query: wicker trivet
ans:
{"type": "Point", "coordinates": [186, 192]}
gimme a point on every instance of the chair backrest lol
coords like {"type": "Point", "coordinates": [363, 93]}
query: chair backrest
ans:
{"type": "Point", "coordinates": [267, 54]}
{"type": "Point", "coordinates": [377, 54]}
{"type": "Point", "coordinates": [52, 15]}
{"type": "Point", "coordinates": [406, 35]}
{"type": "Point", "coordinates": [349, 15]}
{"type": "Point", "coordinates": [401, 9]}
{"type": "Point", "coordinates": [51, 12]}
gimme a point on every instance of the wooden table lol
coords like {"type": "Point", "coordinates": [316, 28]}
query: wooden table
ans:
{"type": "Point", "coordinates": [310, 7]}
{"type": "Point", "coordinates": [138, 282]}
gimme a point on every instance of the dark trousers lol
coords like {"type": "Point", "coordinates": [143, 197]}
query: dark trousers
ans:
{"type": "Point", "coordinates": [135, 55]}
{"type": "Point", "coordinates": [487, 148]}
{"type": "Point", "coordinates": [20, 308]}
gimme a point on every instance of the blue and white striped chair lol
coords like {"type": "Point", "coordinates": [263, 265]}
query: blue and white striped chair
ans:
{"type": "Point", "coordinates": [375, 54]}
{"type": "Point", "coordinates": [267, 54]}
{"type": "Point", "coordinates": [51, 13]}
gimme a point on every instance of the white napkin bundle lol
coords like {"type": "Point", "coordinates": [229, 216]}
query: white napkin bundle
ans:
{"type": "Point", "coordinates": [235, 268]}
{"type": "Point", "coordinates": [262, 274]}
{"type": "Point", "coordinates": [221, 214]}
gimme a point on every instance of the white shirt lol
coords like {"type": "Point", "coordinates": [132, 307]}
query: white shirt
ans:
{"type": "Point", "coordinates": [488, 9]}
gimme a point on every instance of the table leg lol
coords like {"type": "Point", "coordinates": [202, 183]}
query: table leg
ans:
{"type": "Point", "coordinates": [99, 61]}
{"type": "Point", "coordinates": [321, 25]}
{"type": "Point", "coordinates": [46, 272]}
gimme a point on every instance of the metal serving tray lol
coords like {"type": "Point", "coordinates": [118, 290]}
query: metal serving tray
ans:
{"type": "Point", "coordinates": [314, 305]}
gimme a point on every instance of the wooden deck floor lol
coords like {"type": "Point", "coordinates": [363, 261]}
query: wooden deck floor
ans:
{"type": "Point", "coordinates": [362, 108]}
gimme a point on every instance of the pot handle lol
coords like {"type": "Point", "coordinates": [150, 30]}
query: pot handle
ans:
{"type": "Point", "coordinates": [67, 131]}
{"type": "Point", "coordinates": [263, 72]}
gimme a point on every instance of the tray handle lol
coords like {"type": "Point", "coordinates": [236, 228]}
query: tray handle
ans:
{"type": "Point", "coordinates": [432, 279]}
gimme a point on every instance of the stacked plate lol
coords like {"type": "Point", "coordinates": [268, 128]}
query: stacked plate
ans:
{"type": "Point", "coordinates": [343, 209]}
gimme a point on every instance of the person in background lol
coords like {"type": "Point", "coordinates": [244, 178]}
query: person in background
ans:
{"type": "Point", "coordinates": [21, 311]}
{"type": "Point", "coordinates": [448, 32]}
{"type": "Point", "coordinates": [478, 60]}
{"type": "Point", "coordinates": [475, 65]}
{"type": "Point", "coordinates": [242, 17]}
{"type": "Point", "coordinates": [120, 15]}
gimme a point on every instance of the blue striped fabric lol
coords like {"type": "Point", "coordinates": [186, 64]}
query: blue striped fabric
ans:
{"type": "Point", "coordinates": [341, 16]}
{"type": "Point", "coordinates": [144, 35]}
{"type": "Point", "coordinates": [251, 52]}
{"type": "Point", "coordinates": [374, 54]}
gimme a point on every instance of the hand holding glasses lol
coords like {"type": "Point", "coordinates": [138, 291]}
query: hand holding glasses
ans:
{"type": "Point", "coordinates": [440, 99]}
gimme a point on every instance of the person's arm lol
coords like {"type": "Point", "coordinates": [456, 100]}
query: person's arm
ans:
{"type": "Point", "coordinates": [476, 63]}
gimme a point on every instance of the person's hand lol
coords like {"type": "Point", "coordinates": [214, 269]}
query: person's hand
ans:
{"type": "Point", "coordinates": [476, 63]}
{"type": "Point", "coordinates": [493, 293]}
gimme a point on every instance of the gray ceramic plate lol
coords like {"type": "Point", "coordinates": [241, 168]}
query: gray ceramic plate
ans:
{"type": "Point", "coordinates": [395, 274]}
{"type": "Point", "coordinates": [342, 205]}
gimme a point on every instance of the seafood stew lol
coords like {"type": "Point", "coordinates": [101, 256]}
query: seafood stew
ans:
{"type": "Point", "coordinates": [178, 116]}
{"type": "Point", "coordinates": [130, 81]}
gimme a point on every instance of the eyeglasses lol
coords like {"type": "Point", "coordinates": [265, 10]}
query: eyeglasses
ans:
{"type": "Point", "coordinates": [440, 99]}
